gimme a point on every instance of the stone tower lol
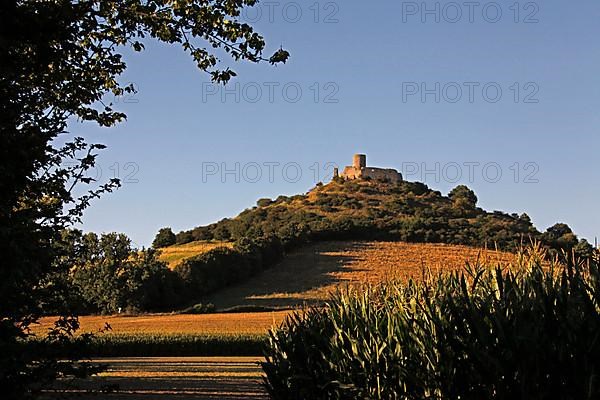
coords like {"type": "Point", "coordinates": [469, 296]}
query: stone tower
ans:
{"type": "Point", "coordinates": [359, 170]}
{"type": "Point", "coordinates": [359, 161]}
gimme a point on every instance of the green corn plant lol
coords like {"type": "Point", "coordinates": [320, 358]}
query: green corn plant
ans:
{"type": "Point", "coordinates": [530, 330]}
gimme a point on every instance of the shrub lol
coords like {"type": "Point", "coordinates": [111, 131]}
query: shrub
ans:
{"type": "Point", "coordinates": [249, 308]}
{"type": "Point", "coordinates": [352, 203]}
{"type": "Point", "coordinates": [165, 237]}
{"type": "Point", "coordinates": [463, 197]}
{"type": "Point", "coordinates": [264, 202]}
{"type": "Point", "coordinates": [528, 332]}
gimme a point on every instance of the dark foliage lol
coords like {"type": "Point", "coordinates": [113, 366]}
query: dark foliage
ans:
{"type": "Point", "coordinates": [107, 275]}
{"type": "Point", "coordinates": [223, 266]}
{"type": "Point", "coordinates": [60, 61]}
{"type": "Point", "coordinates": [165, 237]}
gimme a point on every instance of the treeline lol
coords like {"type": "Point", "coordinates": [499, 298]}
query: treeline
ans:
{"type": "Point", "coordinates": [106, 274]}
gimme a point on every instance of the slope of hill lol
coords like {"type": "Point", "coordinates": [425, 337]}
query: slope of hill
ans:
{"type": "Point", "coordinates": [307, 275]}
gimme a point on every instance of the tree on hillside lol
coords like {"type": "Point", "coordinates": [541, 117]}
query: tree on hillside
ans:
{"type": "Point", "coordinates": [165, 237]}
{"type": "Point", "coordinates": [525, 218]}
{"type": "Point", "coordinates": [463, 197]}
{"type": "Point", "coordinates": [60, 61]}
{"type": "Point", "coordinates": [263, 202]}
{"type": "Point", "coordinates": [558, 230]}
{"type": "Point", "coordinates": [560, 236]}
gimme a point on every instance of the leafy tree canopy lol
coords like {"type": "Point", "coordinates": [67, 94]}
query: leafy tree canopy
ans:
{"type": "Point", "coordinates": [462, 196]}
{"type": "Point", "coordinates": [60, 61]}
{"type": "Point", "coordinates": [165, 237]}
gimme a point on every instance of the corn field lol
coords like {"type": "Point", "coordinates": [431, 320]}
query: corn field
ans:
{"type": "Point", "coordinates": [529, 330]}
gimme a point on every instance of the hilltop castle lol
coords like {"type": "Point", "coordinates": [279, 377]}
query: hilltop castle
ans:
{"type": "Point", "coordinates": [359, 170]}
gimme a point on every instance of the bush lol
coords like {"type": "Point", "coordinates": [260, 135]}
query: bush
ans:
{"type": "Point", "coordinates": [165, 237]}
{"type": "Point", "coordinates": [264, 202]}
{"type": "Point", "coordinates": [529, 332]}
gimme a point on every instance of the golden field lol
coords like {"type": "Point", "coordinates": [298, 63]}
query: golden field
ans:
{"type": "Point", "coordinates": [310, 274]}
{"type": "Point", "coordinates": [203, 324]}
{"type": "Point", "coordinates": [305, 276]}
{"type": "Point", "coordinates": [173, 255]}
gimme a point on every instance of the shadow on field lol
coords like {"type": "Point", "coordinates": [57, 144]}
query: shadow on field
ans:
{"type": "Point", "coordinates": [186, 378]}
{"type": "Point", "coordinates": [295, 281]}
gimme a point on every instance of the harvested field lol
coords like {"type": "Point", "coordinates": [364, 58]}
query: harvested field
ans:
{"type": "Point", "coordinates": [306, 276]}
{"type": "Point", "coordinates": [156, 324]}
{"type": "Point", "coordinates": [242, 334]}
{"type": "Point", "coordinates": [310, 274]}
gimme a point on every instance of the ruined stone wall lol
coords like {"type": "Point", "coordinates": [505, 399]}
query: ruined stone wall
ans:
{"type": "Point", "coordinates": [351, 173]}
{"type": "Point", "coordinates": [359, 170]}
{"type": "Point", "coordinates": [373, 173]}
{"type": "Point", "coordinates": [381, 174]}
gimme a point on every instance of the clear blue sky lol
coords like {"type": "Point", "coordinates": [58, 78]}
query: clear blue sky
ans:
{"type": "Point", "coordinates": [368, 66]}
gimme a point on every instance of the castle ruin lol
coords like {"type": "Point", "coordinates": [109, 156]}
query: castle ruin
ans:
{"type": "Point", "coordinates": [359, 170]}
